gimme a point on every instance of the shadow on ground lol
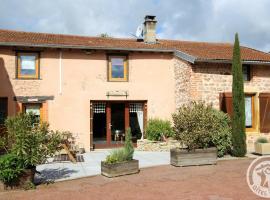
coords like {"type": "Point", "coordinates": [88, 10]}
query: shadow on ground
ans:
{"type": "Point", "coordinates": [50, 175]}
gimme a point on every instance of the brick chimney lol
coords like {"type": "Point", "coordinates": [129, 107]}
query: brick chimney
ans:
{"type": "Point", "coordinates": [150, 29]}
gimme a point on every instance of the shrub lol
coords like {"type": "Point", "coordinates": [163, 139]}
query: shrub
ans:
{"type": "Point", "coordinates": [11, 168]}
{"type": "Point", "coordinates": [222, 137]}
{"type": "Point", "coordinates": [197, 125]}
{"type": "Point", "coordinates": [157, 128]}
{"type": "Point", "coordinates": [238, 97]}
{"type": "Point", "coordinates": [31, 142]}
{"type": "Point", "coordinates": [122, 154]}
{"type": "Point", "coordinates": [262, 140]}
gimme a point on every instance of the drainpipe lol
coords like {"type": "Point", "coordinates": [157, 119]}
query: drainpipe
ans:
{"type": "Point", "coordinates": [60, 72]}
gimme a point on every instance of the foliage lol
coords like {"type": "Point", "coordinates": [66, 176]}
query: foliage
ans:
{"type": "Point", "coordinates": [11, 167]}
{"type": "Point", "coordinates": [221, 137]}
{"type": "Point", "coordinates": [262, 140]}
{"type": "Point", "coordinates": [157, 128]}
{"type": "Point", "coordinates": [29, 186]}
{"type": "Point", "coordinates": [238, 117]}
{"type": "Point", "coordinates": [122, 154]}
{"type": "Point", "coordinates": [104, 35]}
{"type": "Point", "coordinates": [197, 125]}
{"type": "Point", "coordinates": [31, 142]}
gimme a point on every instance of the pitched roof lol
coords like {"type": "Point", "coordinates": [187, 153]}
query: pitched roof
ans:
{"type": "Point", "coordinates": [199, 51]}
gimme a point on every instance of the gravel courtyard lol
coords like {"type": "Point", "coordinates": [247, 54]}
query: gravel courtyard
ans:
{"type": "Point", "coordinates": [224, 181]}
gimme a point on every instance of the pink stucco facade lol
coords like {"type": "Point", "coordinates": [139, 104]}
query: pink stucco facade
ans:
{"type": "Point", "coordinates": [75, 77]}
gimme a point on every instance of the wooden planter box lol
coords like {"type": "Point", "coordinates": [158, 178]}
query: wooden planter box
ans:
{"type": "Point", "coordinates": [262, 148]}
{"type": "Point", "coordinates": [119, 169]}
{"type": "Point", "coordinates": [183, 157]}
{"type": "Point", "coordinates": [26, 177]}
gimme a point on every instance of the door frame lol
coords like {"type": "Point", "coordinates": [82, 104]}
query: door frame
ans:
{"type": "Point", "coordinates": [108, 120]}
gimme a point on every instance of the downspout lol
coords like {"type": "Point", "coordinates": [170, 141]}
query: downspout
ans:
{"type": "Point", "coordinates": [60, 72]}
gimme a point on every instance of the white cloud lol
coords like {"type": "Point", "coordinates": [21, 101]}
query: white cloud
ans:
{"type": "Point", "coordinates": [201, 20]}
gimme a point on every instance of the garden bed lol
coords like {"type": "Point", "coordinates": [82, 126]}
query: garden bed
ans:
{"type": "Point", "coordinates": [119, 169]}
{"type": "Point", "coordinates": [183, 157]}
{"type": "Point", "coordinates": [24, 182]}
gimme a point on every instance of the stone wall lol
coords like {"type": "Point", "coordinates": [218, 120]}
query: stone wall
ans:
{"type": "Point", "coordinates": [147, 145]}
{"type": "Point", "coordinates": [208, 80]}
{"type": "Point", "coordinates": [182, 75]}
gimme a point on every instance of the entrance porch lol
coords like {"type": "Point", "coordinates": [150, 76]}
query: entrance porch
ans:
{"type": "Point", "coordinates": [109, 121]}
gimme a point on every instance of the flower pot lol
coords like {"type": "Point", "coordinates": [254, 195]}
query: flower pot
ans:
{"type": "Point", "coordinates": [183, 157]}
{"type": "Point", "coordinates": [119, 169]}
{"type": "Point", "coordinates": [26, 177]}
{"type": "Point", "coordinates": [262, 148]}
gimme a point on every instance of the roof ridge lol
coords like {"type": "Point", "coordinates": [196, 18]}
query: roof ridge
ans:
{"type": "Point", "coordinates": [202, 42]}
{"type": "Point", "coordinates": [267, 53]}
{"type": "Point", "coordinates": [113, 38]}
{"type": "Point", "coordinates": [66, 34]}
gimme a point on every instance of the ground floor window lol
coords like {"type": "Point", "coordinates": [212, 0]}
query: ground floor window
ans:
{"type": "Point", "coordinates": [35, 109]}
{"type": "Point", "coordinates": [250, 114]}
{"type": "Point", "coordinates": [249, 111]}
{"type": "Point", "coordinates": [110, 120]}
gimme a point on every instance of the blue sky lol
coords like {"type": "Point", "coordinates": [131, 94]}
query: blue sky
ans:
{"type": "Point", "coordinates": [198, 20]}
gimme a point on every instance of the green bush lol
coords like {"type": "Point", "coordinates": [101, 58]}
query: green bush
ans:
{"type": "Point", "coordinates": [262, 140]}
{"type": "Point", "coordinates": [122, 154]}
{"type": "Point", "coordinates": [11, 168]}
{"type": "Point", "coordinates": [157, 128]}
{"type": "Point", "coordinates": [31, 142]}
{"type": "Point", "coordinates": [197, 125]}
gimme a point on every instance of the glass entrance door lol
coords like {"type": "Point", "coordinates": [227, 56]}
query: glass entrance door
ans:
{"type": "Point", "coordinates": [111, 119]}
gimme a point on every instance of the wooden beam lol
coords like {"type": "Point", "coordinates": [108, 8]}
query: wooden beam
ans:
{"type": "Point", "coordinates": [108, 122]}
{"type": "Point", "coordinates": [126, 116]}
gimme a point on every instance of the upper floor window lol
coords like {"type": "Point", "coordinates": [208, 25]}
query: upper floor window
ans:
{"type": "Point", "coordinates": [246, 73]}
{"type": "Point", "coordinates": [118, 68]}
{"type": "Point", "coordinates": [27, 65]}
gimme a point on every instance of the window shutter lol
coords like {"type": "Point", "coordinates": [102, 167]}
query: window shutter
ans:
{"type": "Point", "coordinates": [226, 103]}
{"type": "Point", "coordinates": [264, 112]}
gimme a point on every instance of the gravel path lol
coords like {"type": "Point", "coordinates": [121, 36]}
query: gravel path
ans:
{"type": "Point", "coordinates": [224, 181]}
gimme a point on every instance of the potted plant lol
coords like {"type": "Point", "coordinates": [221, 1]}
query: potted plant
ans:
{"type": "Point", "coordinates": [203, 132]}
{"type": "Point", "coordinates": [262, 146]}
{"type": "Point", "coordinates": [120, 161]}
{"type": "Point", "coordinates": [28, 144]}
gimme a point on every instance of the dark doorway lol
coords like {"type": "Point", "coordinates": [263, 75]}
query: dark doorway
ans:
{"type": "Point", "coordinates": [99, 128]}
{"type": "Point", "coordinates": [117, 122]}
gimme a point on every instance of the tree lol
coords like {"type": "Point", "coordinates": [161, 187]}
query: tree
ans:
{"type": "Point", "coordinates": [238, 97]}
{"type": "Point", "coordinates": [104, 35]}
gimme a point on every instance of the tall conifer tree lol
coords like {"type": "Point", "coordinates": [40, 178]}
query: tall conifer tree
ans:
{"type": "Point", "coordinates": [238, 98]}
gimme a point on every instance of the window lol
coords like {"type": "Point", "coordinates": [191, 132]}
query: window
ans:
{"type": "Point", "coordinates": [118, 69]}
{"type": "Point", "coordinates": [3, 110]}
{"type": "Point", "coordinates": [35, 109]}
{"type": "Point", "coordinates": [249, 111]}
{"type": "Point", "coordinates": [27, 65]}
{"type": "Point", "coordinates": [246, 73]}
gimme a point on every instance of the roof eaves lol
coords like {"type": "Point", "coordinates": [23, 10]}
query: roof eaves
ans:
{"type": "Point", "coordinates": [226, 61]}
{"type": "Point", "coordinates": [85, 47]}
{"type": "Point", "coordinates": [185, 56]}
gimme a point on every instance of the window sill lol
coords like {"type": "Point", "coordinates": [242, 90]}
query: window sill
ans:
{"type": "Point", "coordinates": [31, 79]}
{"type": "Point", "coordinates": [117, 81]}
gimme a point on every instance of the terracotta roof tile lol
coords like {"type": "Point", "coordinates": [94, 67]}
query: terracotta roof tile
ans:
{"type": "Point", "coordinates": [200, 50]}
